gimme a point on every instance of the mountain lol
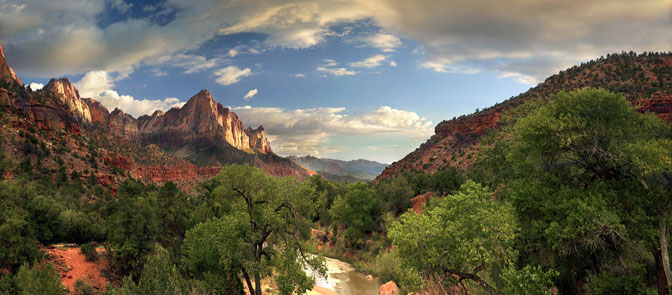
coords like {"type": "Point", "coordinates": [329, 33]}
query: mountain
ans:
{"type": "Point", "coordinates": [58, 130]}
{"type": "Point", "coordinates": [350, 171]}
{"type": "Point", "coordinates": [645, 80]}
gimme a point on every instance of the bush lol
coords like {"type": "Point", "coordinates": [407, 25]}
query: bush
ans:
{"type": "Point", "coordinates": [39, 279]}
{"type": "Point", "coordinates": [82, 288]}
{"type": "Point", "coordinates": [89, 250]}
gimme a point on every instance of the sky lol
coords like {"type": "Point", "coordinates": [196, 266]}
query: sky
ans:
{"type": "Point", "coordinates": [344, 79]}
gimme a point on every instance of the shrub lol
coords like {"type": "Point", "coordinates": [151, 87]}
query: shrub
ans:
{"type": "Point", "coordinates": [89, 250]}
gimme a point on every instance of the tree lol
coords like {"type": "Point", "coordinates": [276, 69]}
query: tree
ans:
{"type": "Point", "coordinates": [132, 228]}
{"type": "Point", "coordinates": [358, 211]}
{"type": "Point", "coordinates": [466, 236]}
{"type": "Point", "coordinates": [395, 193]}
{"type": "Point", "coordinates": [587, 179]}
{"type": "Point", "coordinates": [264, 228]}
{"type": "Point", "coordinates": [38, 279]}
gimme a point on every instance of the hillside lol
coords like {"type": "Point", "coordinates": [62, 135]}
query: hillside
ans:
{"type": "Point", "coordinates": [55, 130]}
{"type": "Point", "coordinates": [644, 79]}
{"type": "Point", "coordinates": [350, 171]}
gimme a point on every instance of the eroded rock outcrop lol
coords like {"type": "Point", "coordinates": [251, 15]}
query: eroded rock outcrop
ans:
{"type": "Point", "coordinates": [6, 72]}
{"type": "Point", "coordinates": [65, 94]}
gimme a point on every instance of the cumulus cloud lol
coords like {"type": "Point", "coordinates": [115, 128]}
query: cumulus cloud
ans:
{"type": "Point", "coordinates": [250, 94]}
{"type": "Point", "coordinates": [384, 42]}
{"type": "Point", "coordinates": [305, 131]}
{"type": "Point", "coordinates": [299, 75]}
{"type": "Point", "coordinates": [99, 86]}
{"type": "Point", "coordinates": [231, 75]}
{"type": "Point", "coordinates": [36, 86]}
{"type": "Point", "coordinates": [370, 62]}
{"type": "Point", "coordinates": [393, 63]}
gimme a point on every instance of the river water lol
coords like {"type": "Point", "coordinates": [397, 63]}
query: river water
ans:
{"type": "Point", "coordinates": [342, 279]}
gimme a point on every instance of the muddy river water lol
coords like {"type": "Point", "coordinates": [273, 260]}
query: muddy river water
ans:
{"type": "Point", "coordinates": [342, 279]}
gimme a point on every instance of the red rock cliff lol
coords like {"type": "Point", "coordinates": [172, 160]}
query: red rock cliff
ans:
{"type": "Point", "coordinates": [6, 72]}
{"type": "Point", "coordinates": [65, 94]}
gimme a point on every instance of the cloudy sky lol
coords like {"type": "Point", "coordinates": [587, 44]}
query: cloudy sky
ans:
{"type": "Point", "coordinates": [342, 78]}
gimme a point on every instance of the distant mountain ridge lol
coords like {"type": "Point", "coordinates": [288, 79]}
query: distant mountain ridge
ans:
{"type": "Point", "coordinates": [184, 144]}
{"type": "Point", "coordinates": [644, 79]}
{"type": "Point", "coordinates": [351, 171]}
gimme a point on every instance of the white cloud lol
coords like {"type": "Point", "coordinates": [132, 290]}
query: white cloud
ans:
{"type": "Point", "coordinates": [327, 62]}
{"type": "Point", "coordinates": [384, 42]}
{"type": "Point", "coordinates": [189, 62]}
{"type": "Point", "coordinates": [299, 75]}
{"type": "Point", "coordinates": [370, 62]}
{"type": "Point", "coordinates": [447, 68]}
{"type": "Point", "coordinates": [336, 71]}
{"type": "Point", "coordinates": [36, 86]}
{"type": "Point", "coordinates": [121, 6]}
{"type": "Point", "coordinates": [306, 131]}
{"type": "Point", "coordinates": [520, 78]}
{"type": "Point", "coordinates": [231, 75]}
{"type": "Point", "coordinates": [250, 94]}
{"type": "Point", "coordinates": [99, 86]}
{"type": "Point", "coordinates": [393, 63]}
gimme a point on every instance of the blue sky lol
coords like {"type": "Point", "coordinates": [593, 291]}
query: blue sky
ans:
{"type": "Point", "coordinates": [342, 79]}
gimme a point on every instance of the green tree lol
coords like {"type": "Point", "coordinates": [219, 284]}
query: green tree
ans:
{"type": "Point", "coordinates": [466, 236]}
{"type": "Point", "coordinates": [132, 228]}
{"type": "Point", "coordinates": [357, 210]}
{"type": "Point", "coordinates": [396, 194]}
{"type": "Point", "coordinates": [40, 279]}
{"type": "Point", "coordinates": [265, 228]}
{"type": "Point", "coordinates": [159, 277]}
{"type": "Point", "coordinates": [586, 174]}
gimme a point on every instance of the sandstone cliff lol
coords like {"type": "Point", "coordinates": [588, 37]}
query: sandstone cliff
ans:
{"type": "Point", "coordinates": [6, 72]}
{"type": "Point", "coordinates": [64, 93]}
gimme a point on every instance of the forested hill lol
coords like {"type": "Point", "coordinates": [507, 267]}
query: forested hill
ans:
{"type": "Point", "coordinates": [644, 79]}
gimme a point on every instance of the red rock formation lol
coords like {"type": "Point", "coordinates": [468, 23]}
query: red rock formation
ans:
{"type": "Point", "coordinates": [65, 94]}
{"type": "Point", "coordinates": [660, 104]}
{"type": "Point", "coordinates": [258, 140]}
{"type": "Point", "coordinates": [389, 288]}
{"type": "Point", "coordinates": [6, 72]}
{"type": "Point", "coordinates": [99, 113]}
{"type": "Point", "coordinates": [122, 124]}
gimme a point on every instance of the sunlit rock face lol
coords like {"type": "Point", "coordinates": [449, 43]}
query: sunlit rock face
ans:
{"type": "Point", "coordinates": [65, 94]}
{"type": "Point", "coordinates": [6, 72]}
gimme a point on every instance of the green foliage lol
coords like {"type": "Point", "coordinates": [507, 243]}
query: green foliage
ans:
{"type": "Point", "coordinates": [18, 239]}
{"type": "Point", "coordinates": [265, 223]}
{"type": "Point", "coordinates": [89, 251]}
{"type": "Point", "coordinates": [395, 193]}
{"type": "Point", "coordinates": [357, 210]}
{"type": "Point", "coordinates": [466, 234]}
{"type": "Point", "coordinates": [159, 277]}
{"type": "Point", "coordinates": [40, 279]}
{"type": "Point", "coordinates": [133, 227]}
{"type": "Point", "coordinates": [586, 176]}
{"type": "Point", "coordinates": [82, 288]}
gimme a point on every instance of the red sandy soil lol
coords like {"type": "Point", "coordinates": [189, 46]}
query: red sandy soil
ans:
{"type": "Point", "coordinates": [72, 265]}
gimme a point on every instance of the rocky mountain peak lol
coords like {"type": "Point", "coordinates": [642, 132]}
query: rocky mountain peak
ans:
{"type": "Point", "coordinates": [6, 72]}
{"type": "Point", "coordinates": [65, 94]}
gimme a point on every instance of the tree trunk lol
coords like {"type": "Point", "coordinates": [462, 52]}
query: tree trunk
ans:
{"type": "Point", "coordinates": [247, 280]}
{"type": "Point", "coordinates": [257, 284]}
{"type": "Point", "coordinates": [664, 255]}
{"type": "Point", "coordinates": [662, 280]}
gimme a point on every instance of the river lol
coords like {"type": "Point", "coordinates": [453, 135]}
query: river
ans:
{"type": "Point", "coordinates": [342, 279]}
